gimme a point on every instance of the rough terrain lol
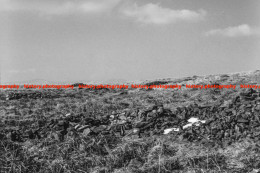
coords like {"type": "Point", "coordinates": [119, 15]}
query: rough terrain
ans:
{"type": "Point", "coordinates": [133, 130]}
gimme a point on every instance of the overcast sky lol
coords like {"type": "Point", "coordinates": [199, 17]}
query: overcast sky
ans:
{"type": "Point", "coordinates": [65, 40]}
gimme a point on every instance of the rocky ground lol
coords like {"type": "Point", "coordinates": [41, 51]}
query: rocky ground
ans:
{"type": "Point", "coordinates": [133, 130]}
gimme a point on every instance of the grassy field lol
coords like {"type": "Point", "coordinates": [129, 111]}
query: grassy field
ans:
{"type": "Point", "coordinates": [152, 152]}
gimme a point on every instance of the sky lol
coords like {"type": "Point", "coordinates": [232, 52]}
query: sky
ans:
{"type": "Point", "coordinates": [90, 40]}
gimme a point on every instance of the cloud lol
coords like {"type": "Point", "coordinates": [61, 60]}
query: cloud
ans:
{"type": "Point", "coordinates": [155, 14]}
{"type": "Point", "coordinates": [234, 31]}
{"type": "Point", "coordinates": [103, 5]}
{"type": "Point", "coordinates": [52, 7]}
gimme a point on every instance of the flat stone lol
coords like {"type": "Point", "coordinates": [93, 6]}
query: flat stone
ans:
{"type": "Point", "coordinates": [86, 132]}
{"type": "Point", "coordinates": [99, 129]}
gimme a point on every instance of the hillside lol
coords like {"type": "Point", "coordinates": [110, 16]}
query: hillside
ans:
{"type": "Point", "coordinates": [134, 130]}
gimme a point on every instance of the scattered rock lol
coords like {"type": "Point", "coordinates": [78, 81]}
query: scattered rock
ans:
{"type": "Point", "coordinates": [86, 132]}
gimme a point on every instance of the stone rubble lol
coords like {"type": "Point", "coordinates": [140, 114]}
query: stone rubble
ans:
{"type": "Point", "coordinates": [223, 123]}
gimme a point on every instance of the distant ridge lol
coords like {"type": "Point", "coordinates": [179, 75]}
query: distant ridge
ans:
{"type": "Point", "coordinates": [253, 73]}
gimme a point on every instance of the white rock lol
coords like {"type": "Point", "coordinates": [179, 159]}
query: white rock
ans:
{"type": "Point", "coordinates": [176, 129]}
{"type": "Point", "coordinates": [166, 131]}
{"type": "Point", "coordinates": [197, 124]}
{"type": "Point", "coordinates": [187, 125]}
{"type": "Point", "coordinates": [203, 121]}
{"type": "Point", "coordinates": [135, 130]}
{"type": "Point", "coordinates": [193, 120]}
{"type": "Point", "coordinates": [83, 127]}
{"type": "Point", "coordinates": [67, 114]}
{"type": "Point", "coordinates": [77, 126]}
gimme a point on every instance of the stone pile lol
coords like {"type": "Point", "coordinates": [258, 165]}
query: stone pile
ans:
{"type": "Point", "coordinates": [222, 124]}
{"type": "Point", "coordinates": [26, 95]}
{"type": "Point", "coordinates": [15, 96]}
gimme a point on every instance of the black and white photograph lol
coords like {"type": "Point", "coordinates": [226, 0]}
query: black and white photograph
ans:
{"type": "Point", "coordinates": [129, 86]}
